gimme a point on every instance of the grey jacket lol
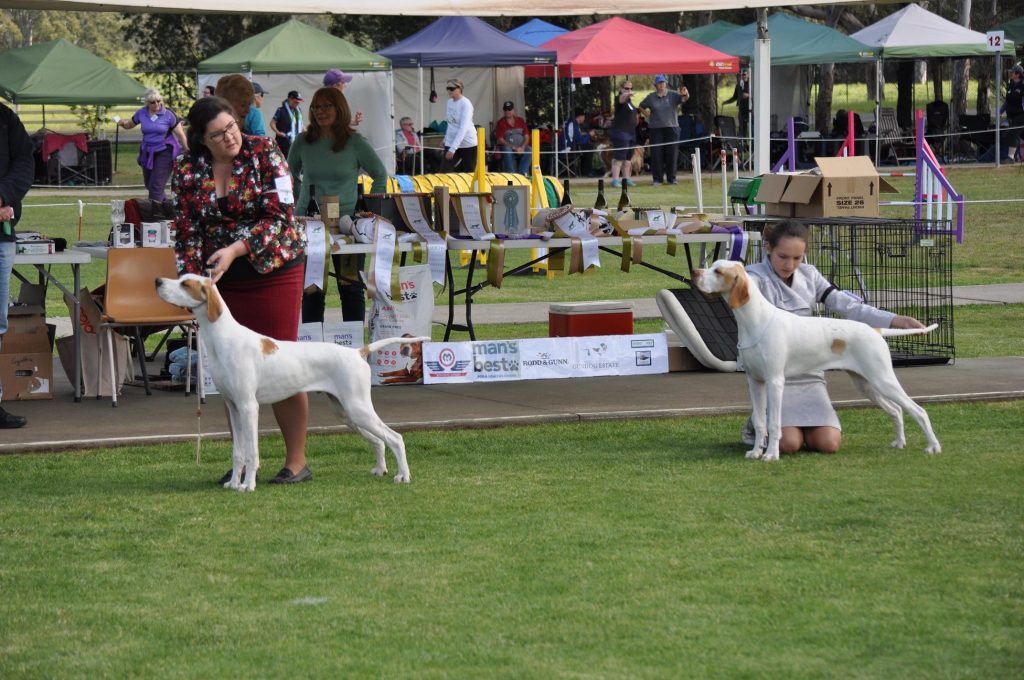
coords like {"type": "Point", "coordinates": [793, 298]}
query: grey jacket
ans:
{"type": "Point", "coordinates": [810, 288]}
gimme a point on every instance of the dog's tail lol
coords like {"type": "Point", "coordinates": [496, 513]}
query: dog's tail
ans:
{"type": "Point", "coordinates": [374, 346]}
{"type": "Point", "coordinates": [896, 332]}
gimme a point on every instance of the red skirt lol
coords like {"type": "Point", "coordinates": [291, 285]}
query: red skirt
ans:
{"type": "Point", "coordinates": [269, 305]}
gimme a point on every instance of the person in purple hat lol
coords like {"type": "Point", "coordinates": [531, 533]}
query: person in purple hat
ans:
{"type": "Point", "coordinates": [162, 141]}
{"type": "Point", "coordinates": [338, 79]}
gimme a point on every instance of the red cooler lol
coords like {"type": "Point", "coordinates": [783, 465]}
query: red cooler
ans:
{"type": "Point", "coordinates": [575, 319]}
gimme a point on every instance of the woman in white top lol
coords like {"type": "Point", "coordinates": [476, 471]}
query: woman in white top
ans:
{"type": "Point", "coordinates": [789, 283]}
{"type": "Point", "coordinates": [460, 137]}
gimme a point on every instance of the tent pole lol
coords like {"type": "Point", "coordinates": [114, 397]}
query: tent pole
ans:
{"type": "Point", "coordinates": [44, 115]}
{"type": "Point", "coordinates": [998, 80]}
{"type": "Point", "coordinates": [423, 152]}
{"type": "Point", "coordinates": [878, 104]}
{"type": "Point", "coordinates": [557, 129]}
{"type": "Point", "coordinates": [761, 92]}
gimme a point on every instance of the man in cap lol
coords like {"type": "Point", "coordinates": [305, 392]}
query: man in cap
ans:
{"type": "Point", "coordinates": [741, 95]}
{"type": "Point", "coordinates": [253, 124]}
{"type": "Point", "coordinates": [338, 79]}
{"type": "Point", "coordinates": [460, 136]}
{"type": "Point", "coordinates": [512, 138]}
{"type": "Point", "coordinates": [287, 121]}
{"type": "Point", "coordinates": [662, 108]}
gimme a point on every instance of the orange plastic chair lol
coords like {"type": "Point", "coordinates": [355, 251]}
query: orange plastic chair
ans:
{"type": "Point", "coordinates": [131, 302]}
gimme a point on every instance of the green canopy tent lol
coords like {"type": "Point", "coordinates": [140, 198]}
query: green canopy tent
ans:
{"type": "Point", "coordinates": [294, 56]}
{"type": "Point", "coordinates": [795, 43]}
{"type": "Point", "coordinates": [58, 72]}
{"type": "Point", "coordinates": [1014, 30]}
{"type": "Point", "coordinates": [708, 33]}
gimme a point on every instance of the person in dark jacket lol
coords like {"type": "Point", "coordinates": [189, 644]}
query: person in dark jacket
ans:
{"type": "Point", "coordinates": [1013, 107]}
{"type": "Point", "coordinates": [16, 170]}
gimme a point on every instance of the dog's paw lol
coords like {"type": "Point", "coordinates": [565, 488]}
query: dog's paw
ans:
{"type": "Point", "coordinates": [379, 471]}
{"type": "Point", "coordinates": [755, 453]}
{"type": "Point", "coordinates": [770, 456]}
{"type": "Point", "coordinates": [937, 448]}
{"type": "Point", "coordinates": [403, 478]}
{"type": "Point", "coordinates": [235, 486]}
{"type": "Point", "coordinates": [898, 443]}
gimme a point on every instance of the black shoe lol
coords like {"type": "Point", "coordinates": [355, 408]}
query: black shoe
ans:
{"type": "Point", "coordinates": [9, 421]}
{"type": "Point", "coordinates": [286, 476]}
{"type": "Point", "coordinates": [227, 476]}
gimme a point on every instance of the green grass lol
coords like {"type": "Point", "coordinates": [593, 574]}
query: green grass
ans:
{"type": "Point", "coordinates": [646, 549]}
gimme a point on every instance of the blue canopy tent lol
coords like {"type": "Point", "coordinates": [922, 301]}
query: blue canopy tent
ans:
{"type": "Point", "coordinates": [489, 63]}
{"type": "Point", "coordinates": [536, 32]}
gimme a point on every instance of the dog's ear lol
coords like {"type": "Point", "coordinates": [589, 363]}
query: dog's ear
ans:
{"type": "Point", "coordinates": [214, 303]}
{"type": "Point", "coordinates": [740, 293]}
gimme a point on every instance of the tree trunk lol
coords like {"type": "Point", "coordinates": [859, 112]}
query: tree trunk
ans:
{"type": "Point", "coordinates": [703, 94]}
{"type": "Point", "coordinates": [905, 94]}
{"type": "Point", "coordinates": [826, 82]}
{"type": "Point", "coordinates": [985, 69]}
{"type": "Point", "coordinates": [961, 72]}
{"type": "Point", "coordinates": [936, 71]}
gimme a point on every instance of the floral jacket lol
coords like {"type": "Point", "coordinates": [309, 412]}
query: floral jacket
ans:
{"type": "Point", "coordinates": [258, 211]}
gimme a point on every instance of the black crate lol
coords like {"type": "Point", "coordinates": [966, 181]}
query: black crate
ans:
{"type": "Point", "coordinates": [100, 156]}
{"type": "Point", "coordinates": [903, 266]}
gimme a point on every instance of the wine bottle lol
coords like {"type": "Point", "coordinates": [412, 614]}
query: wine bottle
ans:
{"type": "Point", "coordinates": [600, 203]}
{"type": "Point", "coordinates": [313, 207]}
{"type": "Point", "coordinates": [566, 199]}
{"type": "Point", "coordinates": [623, 198]}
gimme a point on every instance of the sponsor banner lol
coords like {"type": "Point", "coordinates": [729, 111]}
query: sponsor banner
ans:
{"type": "Point", "coordinates": [447, 362]}
{"type": "Point", "coordinates": [544, 358]}
{"type": "Point", "coordinates": [496, 360]}
{"type": "Point", "coordinates": [344, 333]}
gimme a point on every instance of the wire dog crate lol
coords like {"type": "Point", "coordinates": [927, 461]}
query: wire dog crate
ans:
{"type": "Point", "coordinates": [902, 266]}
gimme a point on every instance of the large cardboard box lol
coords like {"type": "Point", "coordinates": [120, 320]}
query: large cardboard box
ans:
{"type": "Point", "coordinates": [845, 187]}
{"type": "Point", "coordinates": [27, 375]}
{"type": "Point", "coordinates": [25, 333]}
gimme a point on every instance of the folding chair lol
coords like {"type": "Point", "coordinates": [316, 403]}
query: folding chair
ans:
{"type": "Point", "coordinates": [725, 128]}
{"type": "Point", "coordinates": [66, 162]}
{"type": "Point", "coordinates": [131, 301]}
{"type": "Point", "coordinates": [891, 136]}
{"type": "Point", "coordinates": [936, 126]}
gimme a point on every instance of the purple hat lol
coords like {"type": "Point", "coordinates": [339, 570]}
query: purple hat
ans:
{"type": "Point", "coordinates": [335, 76]}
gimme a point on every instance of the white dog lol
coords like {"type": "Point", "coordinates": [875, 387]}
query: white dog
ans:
{"type": "Point", "coordinates": [775, 344]}
{"type": "Point", "coordinates": [250, 369]}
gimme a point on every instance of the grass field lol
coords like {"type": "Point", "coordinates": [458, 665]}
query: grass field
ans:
{"type": "Point", "coordinates": [646, 549]}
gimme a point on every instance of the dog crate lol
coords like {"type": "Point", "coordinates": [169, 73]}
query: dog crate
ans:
{"type": "Point", "coordinates": [904, 266]}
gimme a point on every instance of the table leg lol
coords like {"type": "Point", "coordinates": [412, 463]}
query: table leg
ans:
{"type": "Point", "coordinates": [76, 325]}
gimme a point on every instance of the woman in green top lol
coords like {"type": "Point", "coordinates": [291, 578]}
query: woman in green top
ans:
{"type": "Point", "coordinates": [329, 155]}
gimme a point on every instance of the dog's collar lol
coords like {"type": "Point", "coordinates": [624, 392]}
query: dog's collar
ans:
{"type": "Point", "coordinates": [764, 329]}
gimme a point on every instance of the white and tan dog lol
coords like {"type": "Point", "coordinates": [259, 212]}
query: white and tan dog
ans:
{"type": "Point", "coordinates": [775, 344]}
{"type": "Point", "coordinates": [250, 369]}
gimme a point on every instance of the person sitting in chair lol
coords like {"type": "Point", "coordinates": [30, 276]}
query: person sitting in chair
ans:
{"type": "Point", "coordinates": [512, 137]}
{"type": "Point", "coordinates": [408, 147]}
{"type": "Point", "coordinates": [576, 142]}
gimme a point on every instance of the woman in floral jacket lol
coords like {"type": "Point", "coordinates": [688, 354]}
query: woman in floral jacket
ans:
{"type": "Point", "coordinates": [233, 212]}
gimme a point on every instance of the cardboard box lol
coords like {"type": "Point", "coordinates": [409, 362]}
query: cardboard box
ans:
{"type": "Point", "coordinates": [25, 334]}
{"type": "Point", "coordinates": [27, 375]}
{"type": "Point", "coordinates": [681, 359]}
{"type": "Point", "coordinates": [845, 187]}
{"type": "Point", "coordinates": [35, 247]}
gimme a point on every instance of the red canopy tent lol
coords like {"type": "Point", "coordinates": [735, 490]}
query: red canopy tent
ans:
{"type": "Point", "coordinates": [619, 46]}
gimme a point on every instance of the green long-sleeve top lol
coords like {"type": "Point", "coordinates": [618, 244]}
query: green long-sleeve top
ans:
{"type": "Point", "coordinates": [334, 172]}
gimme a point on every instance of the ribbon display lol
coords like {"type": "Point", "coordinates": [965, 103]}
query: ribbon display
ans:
{"type": "Point", "coordinates": [316, 254]}
{"type": "Point", "coordinates": [577, 227]}
{"type": "Point", "coordinates": [496, 263]}
{"type": "Point", "coordinates": [411, 208]}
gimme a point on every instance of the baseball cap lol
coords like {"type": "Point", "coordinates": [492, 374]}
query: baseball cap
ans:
{"type": "Point", "coordinates": [258, 89]}
{"type": "Point", "coordinates": [294, 94]}
{"type": "Point", "coordinates": [336, 76]}
{"type": "Point", "coordinates": [508, 106]}
{"type": "Point", "coordinates": [1018, 69]}
{"type": "Point", "coordinates": [660, 79]}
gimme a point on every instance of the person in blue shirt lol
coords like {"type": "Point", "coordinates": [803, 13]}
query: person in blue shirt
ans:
{"type": "Point", "coordinates": [253, 124]}
{"type": "Point", "coordinates": [576, 141]}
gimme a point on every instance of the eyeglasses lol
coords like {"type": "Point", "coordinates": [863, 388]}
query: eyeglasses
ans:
{"type": "Point", "coordinates": [218, 137]}
{"type": "Point", "coordinates": [627, 89]}
{"type": "Point", "coordinates": [321, 107]}
{"type": "Point", "coordinates": [156, 101]}
{"type": "Point", "coordinates": [450, 88]}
